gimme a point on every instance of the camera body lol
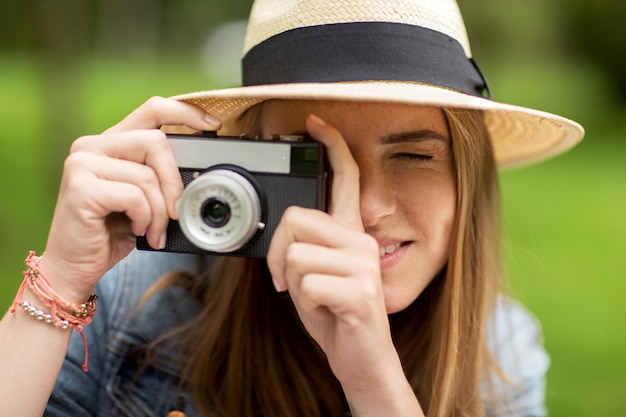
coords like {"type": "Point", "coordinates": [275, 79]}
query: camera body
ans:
{"type": "Point", "coordinates": [237, 189]}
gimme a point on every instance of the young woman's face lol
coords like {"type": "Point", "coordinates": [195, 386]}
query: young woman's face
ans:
{"type": "Point", "coordinates": [407, 186]}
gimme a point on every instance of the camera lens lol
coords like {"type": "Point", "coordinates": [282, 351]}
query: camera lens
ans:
{"type": "Point", "coordinates": [215, 212]}
{"type": "Point", "coordinates": [220, 210]}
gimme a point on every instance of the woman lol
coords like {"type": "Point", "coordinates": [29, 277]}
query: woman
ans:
{"type": "Point", "coordinates": [387, 304]}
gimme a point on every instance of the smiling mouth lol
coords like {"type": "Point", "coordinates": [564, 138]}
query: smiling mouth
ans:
{"type": "Point", "coordinates": [388, 249]}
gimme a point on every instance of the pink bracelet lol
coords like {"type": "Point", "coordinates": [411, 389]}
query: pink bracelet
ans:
{"type": "Point", "coordinates": [63, 314]}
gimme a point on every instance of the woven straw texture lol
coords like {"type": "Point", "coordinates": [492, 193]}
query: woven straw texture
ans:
{"type": "Point", "coordinates": [272, 17]}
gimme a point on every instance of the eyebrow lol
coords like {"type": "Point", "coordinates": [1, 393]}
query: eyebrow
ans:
{"type": "Point", "coordinates": [414, 136]}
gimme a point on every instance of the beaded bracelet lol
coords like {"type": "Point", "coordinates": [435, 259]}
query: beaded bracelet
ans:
{"type": "Point", "coordinates": [41, 315]}
{"type": "Point", "coordinates": [63, 314]}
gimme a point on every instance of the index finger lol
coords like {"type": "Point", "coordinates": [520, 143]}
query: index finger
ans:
{"type": "Point", "coordinates": [159, 111]}
{"type": "Point", "coordinates": [147, 147]}
{"type": "Point", "coordinates": [344, 199]}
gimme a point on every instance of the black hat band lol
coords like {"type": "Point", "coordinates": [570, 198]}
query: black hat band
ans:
{"type": "Point", "coordinates": [363, 51]}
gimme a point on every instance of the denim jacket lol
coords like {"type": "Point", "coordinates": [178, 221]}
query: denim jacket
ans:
{"type": "Point", "coordinates": [119, 384]}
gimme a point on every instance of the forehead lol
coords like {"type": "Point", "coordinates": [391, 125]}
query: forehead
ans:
{"type": "Point", "coordinates": [285, 116]}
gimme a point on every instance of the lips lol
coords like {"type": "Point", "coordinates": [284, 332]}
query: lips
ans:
{"type": "Point", "coordinates": [392, 253]}
{"type": "Point", "coordinates": [388, 249]}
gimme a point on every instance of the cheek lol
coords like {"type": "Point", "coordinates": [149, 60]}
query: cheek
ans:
{"type": "Point", "coordinates": [430, 204]}
{"type": "Point", "coordinates": [442, 209]}
{"type": "Point", "coordinates": [429, 209]}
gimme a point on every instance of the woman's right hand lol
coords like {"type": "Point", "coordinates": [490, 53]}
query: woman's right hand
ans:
{"type": "Point", "coordinates": [116, 186]}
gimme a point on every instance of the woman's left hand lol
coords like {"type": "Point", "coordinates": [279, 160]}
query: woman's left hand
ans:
{"type": "Point", "coordinates": [331, 269]}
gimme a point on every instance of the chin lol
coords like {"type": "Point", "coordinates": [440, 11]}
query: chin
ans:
{"type": "Point", "coordinates": [397, 304]}
{"type": "Point", "coordinates": [398, 298]}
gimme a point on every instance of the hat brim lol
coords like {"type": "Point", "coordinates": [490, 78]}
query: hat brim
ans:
{"type": "Point", "coordinates": [521, 136]}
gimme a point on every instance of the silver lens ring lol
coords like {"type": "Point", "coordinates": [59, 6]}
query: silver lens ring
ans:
{"type": "Point", "coordinates": [230, 189]}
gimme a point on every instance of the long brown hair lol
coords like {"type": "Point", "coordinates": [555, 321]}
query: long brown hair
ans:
{"type": "Point", "coordinates": [247, 354]}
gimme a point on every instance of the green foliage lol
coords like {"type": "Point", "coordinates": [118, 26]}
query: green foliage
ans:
{"type": "Point", "coordinates": [544, 31]}
{"type": "Point", "coordinates": [596, 32]}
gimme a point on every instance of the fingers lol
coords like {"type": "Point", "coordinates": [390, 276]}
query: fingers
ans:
{"type": "Point", "coordinates": [297, 225]}
{"type": "Point", "coordinates": [137, 139]}
{"type": "Point", "coordinates": [137, 192]}
{"type": "Point", "coordinates": [320, 280]}
{"type": "Point", "coordinates": [307, 225]}
{"type": "Point", "coordinates": [320, 294]}
{"type": "Point", "coordinates": [344, 198]}
{"type": "Point", "coordinates": [93, 226]}
{"type": "Point", "coordinates": [147, 148]}
{"type": "Point", "coordinates": [322, 235]}
{"type": "Point", "coordinates": [100, 186]}
{"type": "Point", "coordinates": [343, 218]}
{"type": "Point", "coordinates": [306, 257]}
{"type": "Point", "coordinates": [159, 111]}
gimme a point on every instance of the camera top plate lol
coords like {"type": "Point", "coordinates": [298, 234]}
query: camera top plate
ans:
{"type": "Point", "coordinates": [281, 154]}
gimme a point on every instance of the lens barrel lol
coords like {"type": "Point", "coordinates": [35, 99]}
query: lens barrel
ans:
{"type": "Point", "coordinates": [220, 210]}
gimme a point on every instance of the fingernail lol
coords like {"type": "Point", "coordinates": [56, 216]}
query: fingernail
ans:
{"type": "Point", "coordinates": [176, 206]}
{"type": "Point", "coordinates": [317, 120]}
{"type": "Point", "coordinates": [162, 240]}
{"type": "Point", "coordinates": [212, 120]}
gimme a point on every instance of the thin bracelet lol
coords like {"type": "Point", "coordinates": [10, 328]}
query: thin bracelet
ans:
{"type": "Point", "coordinates": [63, 314]}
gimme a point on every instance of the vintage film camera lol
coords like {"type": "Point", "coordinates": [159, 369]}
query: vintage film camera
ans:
{"type": "Point", "coordinates": [236, 190]}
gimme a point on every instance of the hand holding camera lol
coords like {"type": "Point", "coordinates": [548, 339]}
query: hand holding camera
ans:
{"type": "Point", "coordinates": [116, 186]}
{"type": "Point", "coordinates": [331, 269]}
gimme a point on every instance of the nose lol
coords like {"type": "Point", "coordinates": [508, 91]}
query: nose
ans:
{"type": "Point", "coordinates": [377, 196]}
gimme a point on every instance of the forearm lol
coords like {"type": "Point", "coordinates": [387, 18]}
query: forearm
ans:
{"type": "Point", "coordinates": [393, 398]}
{"type": "Point", "coordinates": [31, 355]}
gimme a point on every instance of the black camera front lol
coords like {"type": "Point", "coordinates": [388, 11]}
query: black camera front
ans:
{"type": "Point", "coordinates": [237, 189]}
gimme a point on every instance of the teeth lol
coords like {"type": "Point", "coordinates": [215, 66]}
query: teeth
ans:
{"type": "Point", "coordinates": [387, 249]}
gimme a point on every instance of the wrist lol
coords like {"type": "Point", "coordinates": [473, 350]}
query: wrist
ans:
{"type": "Point", "coordinates": [37, 280]}
{"type": "Point", "coordinates": [391, 395]}
{"type": "Point", "coordinates": [66, 289]}
{"type": "Point", "coordinates": [60, 312]}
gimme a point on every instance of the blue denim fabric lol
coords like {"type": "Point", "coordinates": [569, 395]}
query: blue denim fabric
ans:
{"type": "Point", "coordinates": [119, 384]}
{"type": "Point", "coordinates": [516, 342]}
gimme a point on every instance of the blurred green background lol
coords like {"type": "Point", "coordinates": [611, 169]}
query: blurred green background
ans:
{"type": "Point", "coordinates": [74, 68]}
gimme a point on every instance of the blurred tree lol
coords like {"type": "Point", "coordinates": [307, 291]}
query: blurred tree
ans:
{"type": "Point", "coordinates": [62, 37]}
{"type": "Point", "coordinates": [523, 30]}
{"type": "Point", "coordinates": [590, 31]}
{"type": "Point", "coordinates": [17, 31]}
{"type": "Point", "coordinates": [117, 26]}
{"type": "Point", "coordinates": [596, 31]}
{"type": "Point", "coordinates": [186, 23]}
{"type": "Point", "coordinates": [128, 27]}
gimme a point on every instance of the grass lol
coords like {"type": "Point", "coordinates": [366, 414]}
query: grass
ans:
{"type": "Point", "coordinates": [564, 220]}
{"type": "Point", "coordinates": [565, 228]}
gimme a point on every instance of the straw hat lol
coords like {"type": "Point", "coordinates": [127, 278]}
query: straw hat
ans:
{"type": "Point", "coordinates": [399, 51]}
